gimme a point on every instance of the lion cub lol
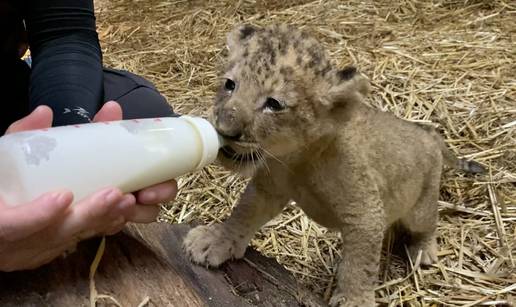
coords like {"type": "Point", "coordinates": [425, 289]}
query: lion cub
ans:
{"type": "Point", "coordinates": [300, 128]}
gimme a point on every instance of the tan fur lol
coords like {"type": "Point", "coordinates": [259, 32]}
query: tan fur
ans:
{"type": "Point", "coordinates": [348, 166]}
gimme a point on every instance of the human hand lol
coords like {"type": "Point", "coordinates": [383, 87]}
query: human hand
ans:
{"type": "Point", "coordinates": [35, 233]}
{"type": "Point", "coordinates": [150, 197]}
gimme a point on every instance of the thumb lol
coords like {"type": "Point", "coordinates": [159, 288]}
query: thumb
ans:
{"type": "Point", "coordinates": [40, 118]}
{"type": "Point", "coordinates": [22, 221]}
{"type": "Point", "coordinates": [111, 110]}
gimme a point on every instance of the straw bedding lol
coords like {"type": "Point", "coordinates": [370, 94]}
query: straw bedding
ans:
{"type": "Point", "coordinates": [447, 62]}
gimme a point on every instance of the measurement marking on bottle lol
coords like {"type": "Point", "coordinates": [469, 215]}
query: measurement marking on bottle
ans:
{"type": "Point", "coordinates": [77, 126]}
{"type": "Point", "coordinates": [157, 120]}
{"type": "Point", "coordinates": [136, 121]}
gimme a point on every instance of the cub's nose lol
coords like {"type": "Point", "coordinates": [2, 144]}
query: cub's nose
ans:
{"type": "Point", "coordinates": [227, 124]}
{"type": "Point", "coordinates": [232, 135]}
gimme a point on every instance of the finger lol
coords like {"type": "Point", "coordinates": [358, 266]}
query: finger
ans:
{"type": "Point", "coordinates": [90, 212]}
{"type": "Point", "coordinates": [144, 214]}
{"type": "Point", "coordinates": [40, 118]}
{"type": "Point", "coordinates": [93, 215]}
{"type": "Point", "coordinates": [158, 193]}
{"type": "Point", "coordinates": [37, 258]}
{"type": "Point", "coordinates": [110, 111]}
{"type": "Point", "coordinates": [116, 227]}
{"type": "Point", "coordinates": [22, 221]}
{"type": "Point", "coordinates": [126, 205]}
{"type": "Point", "coordinates": [124, 208]}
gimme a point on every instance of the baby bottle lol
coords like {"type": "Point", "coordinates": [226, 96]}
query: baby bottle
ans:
{"type": "Point", "coordinates": [128, 154]}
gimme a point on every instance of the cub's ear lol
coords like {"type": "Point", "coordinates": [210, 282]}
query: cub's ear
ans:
{"type": "Point", "coordinates": [347, 73]}
{"type": "Point", "coordinates": [348, 86]}
{"type": "Point", "coordinates": [239, 35]}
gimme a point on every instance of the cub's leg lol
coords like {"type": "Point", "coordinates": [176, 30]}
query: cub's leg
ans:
{"type": "Point", "coordinates": [362, 236]}
{"type": "Point", "coordinates": [213, 245]}
{"type": "Point", "coordinates": [421, 223]}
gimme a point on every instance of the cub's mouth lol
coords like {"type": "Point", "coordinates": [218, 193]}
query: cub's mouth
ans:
{"type": "Point", "coordinates": [249, 156]}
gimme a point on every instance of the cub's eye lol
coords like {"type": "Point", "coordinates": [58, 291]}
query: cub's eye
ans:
{"type": "Point", "coordinates": [229, 85]}
{"type": "Point", "coordinates": [273, 105]}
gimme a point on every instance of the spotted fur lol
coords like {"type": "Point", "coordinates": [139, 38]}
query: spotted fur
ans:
{"type": "Point", "coordinates": [299, 127]}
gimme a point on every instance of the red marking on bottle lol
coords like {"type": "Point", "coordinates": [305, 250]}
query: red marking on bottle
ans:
{"type": "Point", "coordinates": [157, 120]}
{"type": "Point", "coordinates": [44, 129]}
{"type": "Point", "coordinates": [77, 126]}
{"type": "Point", "coordinates": [105, 123]}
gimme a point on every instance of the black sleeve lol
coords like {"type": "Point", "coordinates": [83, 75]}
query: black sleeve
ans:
{"type": "Point", "coordinates": [67, 60]}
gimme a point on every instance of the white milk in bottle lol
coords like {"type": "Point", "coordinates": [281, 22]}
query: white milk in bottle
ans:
{"type": "Point", "coordinates": [128, 154]}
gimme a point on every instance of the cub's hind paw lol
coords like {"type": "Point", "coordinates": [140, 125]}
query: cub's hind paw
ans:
{"type": "Point", "coordinates": [428, 249]}
{"type": "Point", "coordinates": [339, 300]}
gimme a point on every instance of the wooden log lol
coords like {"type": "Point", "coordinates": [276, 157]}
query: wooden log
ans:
{"type": "Point", "coordinates": [146, 264]}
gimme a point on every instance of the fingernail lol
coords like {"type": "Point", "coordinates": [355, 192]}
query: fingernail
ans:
{"type": "Point", "coordinates": [57, 197]}
{"type": "Point", "coordinates": [63, 197]}
{"type": "Point", "coordinates": [40, 108]}
{"type": "Point", "coordinates": [127, 201]}
{"type": "Point", "coordinates": [54, 196]}
{"type": "Point", "coordinates": [112, 195]}
{"type": "Point", "coordinates": [111, 102]}
{"type": "Point", "coordinates": [150, 196]}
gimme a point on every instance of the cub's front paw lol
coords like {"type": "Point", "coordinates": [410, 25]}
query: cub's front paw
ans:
{"type": "Point", "coordinates": [213, 245]}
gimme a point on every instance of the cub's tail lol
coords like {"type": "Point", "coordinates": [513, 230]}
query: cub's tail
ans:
{"type": "Point", "coordinates": [449, 157]}
{"type": "Point", "coordinates": [462, 164]}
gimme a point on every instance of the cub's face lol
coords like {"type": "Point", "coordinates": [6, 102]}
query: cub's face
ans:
{"type": "Point", "coordinates": [277, 93]}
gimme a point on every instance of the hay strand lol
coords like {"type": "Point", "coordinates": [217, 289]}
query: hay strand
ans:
{"type": "Point", "coordinates": [450, 63]}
